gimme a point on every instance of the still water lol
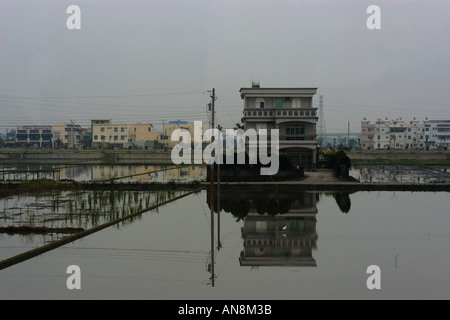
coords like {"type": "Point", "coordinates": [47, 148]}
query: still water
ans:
{"type": "Point", "coordinates": [122, 173]}
{"type": "Point", "coordinates": [268, 244]}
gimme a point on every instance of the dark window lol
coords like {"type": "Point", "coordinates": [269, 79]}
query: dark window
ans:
{"type": "Point", "coordinates": [278, 103]}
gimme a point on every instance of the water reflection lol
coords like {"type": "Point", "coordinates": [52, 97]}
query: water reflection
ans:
{"type": "Point", "coordinates": [279, 225]}
{"type": "Point", "coordinates": [123, 173]}
{"type": "Point", "coordinates": [64, 210]}
{"type": "Point", "coordinates": [402, 174]}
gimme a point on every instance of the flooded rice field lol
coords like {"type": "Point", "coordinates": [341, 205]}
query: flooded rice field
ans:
{"type": "Point", "coordinates": [263, 243]}
{"type": "Point", "coordinates": [402, 174]}
{"type": "Point", "coordinates": [122, 173]}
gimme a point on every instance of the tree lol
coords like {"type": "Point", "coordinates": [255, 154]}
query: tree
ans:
{"type": "Point", "coordinates": [58, 143]}
{"type": "Point", "coordinates": [238, 126]}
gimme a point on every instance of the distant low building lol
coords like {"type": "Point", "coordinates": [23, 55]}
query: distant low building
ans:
{"type": "Point", "coordinates": [367, 135]}
{"type": "Point", "coordinates": [437, 133]}
{"type": "Point", "coordinates": [171, 126]}
{"type": "Point", "coordinates": [35, 136]}
{"type": "Point", "coordinates": [68, 135]}
{"type": "Point", "coordinates": [392, 134]}
{"type": "Point", "coordinates": [105, 133]}
{"type": "Point", "coordinates": [146, 135]}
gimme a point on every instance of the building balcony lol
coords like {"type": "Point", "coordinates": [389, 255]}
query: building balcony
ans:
{"type": "Point", "coordinates": [281, 115]}
{"type": "Point", "coordinates": [297, 137]}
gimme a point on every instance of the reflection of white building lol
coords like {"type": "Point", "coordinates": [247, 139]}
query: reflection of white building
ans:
{"type": "Point", "coordinates": [283, 239]}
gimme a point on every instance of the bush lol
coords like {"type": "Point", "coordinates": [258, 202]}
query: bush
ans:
{"type": "Point", "coordinates": [342, 160]}
{"type": "Point", "coordinates": [285, 162]}
{"type": "Point", "coordinates": [336, 159]}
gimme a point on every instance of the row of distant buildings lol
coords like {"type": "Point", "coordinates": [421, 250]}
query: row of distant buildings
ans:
{"type": "Point", "coordinates": [102, 133]}
{"type": "Point", "coordinates": [401, 134]}
{"type": "Point", "coordinates": [290, 110]}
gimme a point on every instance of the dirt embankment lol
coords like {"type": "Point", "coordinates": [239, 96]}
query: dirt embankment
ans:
{"type": "Point", "coordinates": [400, 157]}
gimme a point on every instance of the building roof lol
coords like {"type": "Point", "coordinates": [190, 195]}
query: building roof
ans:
{"type": "Point", "coordinates": [277, 92]}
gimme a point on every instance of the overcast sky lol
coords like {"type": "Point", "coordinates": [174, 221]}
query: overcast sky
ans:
{"type": "Point", "coordinates": [145, 60]}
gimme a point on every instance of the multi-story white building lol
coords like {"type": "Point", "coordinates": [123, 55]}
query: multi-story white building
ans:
{"type": "Point", "coordinates": [36, 136]}
{"type": "Point", "coordinates": [437, 133]}
{"type": "Point", "coordinates": [367, 135]}
{"type": "Point", "coordinates": [291, 111]}
{"type": "Point", "coordinates": [69, 135]}
{"type": "Point", "coordinates": [104, 133]}
{"type": "Point", "coordinates": [394, 134]}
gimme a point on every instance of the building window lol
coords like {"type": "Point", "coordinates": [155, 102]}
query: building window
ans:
{"type": "Point", "coordinates": [259, 103]}
{"type": "Point", "coordinates": [95, 137]}
{"type": "Point", "coordinates": [116, 138]}
{"type": "Point", "coordinates": [296, 103]}
{"type": "Point", "coordinates": [103, 138]}
{"type": "Point", "coordinates": [116, 129]}
{"type": "Point", "coordinates": [278, 103]}
{"type": "Point", "coordinates": [102, 129]}
{"type": "Point", "coordinates": [294, 133]}
{"type": "Point", "coordinates": [122, 129]}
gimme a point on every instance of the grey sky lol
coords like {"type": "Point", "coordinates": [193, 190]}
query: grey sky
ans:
{"type": "Point", "coordinates": [144, 61]}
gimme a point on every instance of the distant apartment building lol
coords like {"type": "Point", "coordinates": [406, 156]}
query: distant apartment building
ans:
{"type": "Point", "coordinates": [145, 133]}
{"type": "Point", "coordinates": [367, 135]}
{"type": "Point", "coordinates": [106, 133]}
{"type": "Point", "coordinates": [35, 136]}
{"type": "Point", "coordinates": [171, 126]}
{"type": "Point", "coordinates": [437, 133]}
{"type": "Point", "coordinates": [68, 135]}
{"type": "Point", "coordinates": [392, 134]}
{"type": "Point", "coordinates": [291, 111]}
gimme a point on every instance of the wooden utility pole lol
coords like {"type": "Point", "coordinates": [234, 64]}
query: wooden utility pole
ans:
{"type": "Point", "coordinates": [219, 245]}
{"type": "Point", "coordinates": [213, 98]}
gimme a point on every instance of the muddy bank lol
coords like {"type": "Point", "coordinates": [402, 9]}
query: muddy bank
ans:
{"type": "Point", "coordinates": [26, 230]}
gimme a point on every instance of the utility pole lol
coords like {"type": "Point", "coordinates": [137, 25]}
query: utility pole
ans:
{"type": "Point", "coordinates": [213, 98]}
{"type": "Point", "coordinates": [213, 101]}
{"type": "Point", "coordinates": [321, 123]}
{"type": "Point", "coordinates": [164, 133]}
{"type": "Point", "coordinates": [348, 134]}
{"type": "Point", "coordinates": [71, 136]}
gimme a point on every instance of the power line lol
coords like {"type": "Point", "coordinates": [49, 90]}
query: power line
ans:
{"type": "Point", "coordinates": [102, 96]}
